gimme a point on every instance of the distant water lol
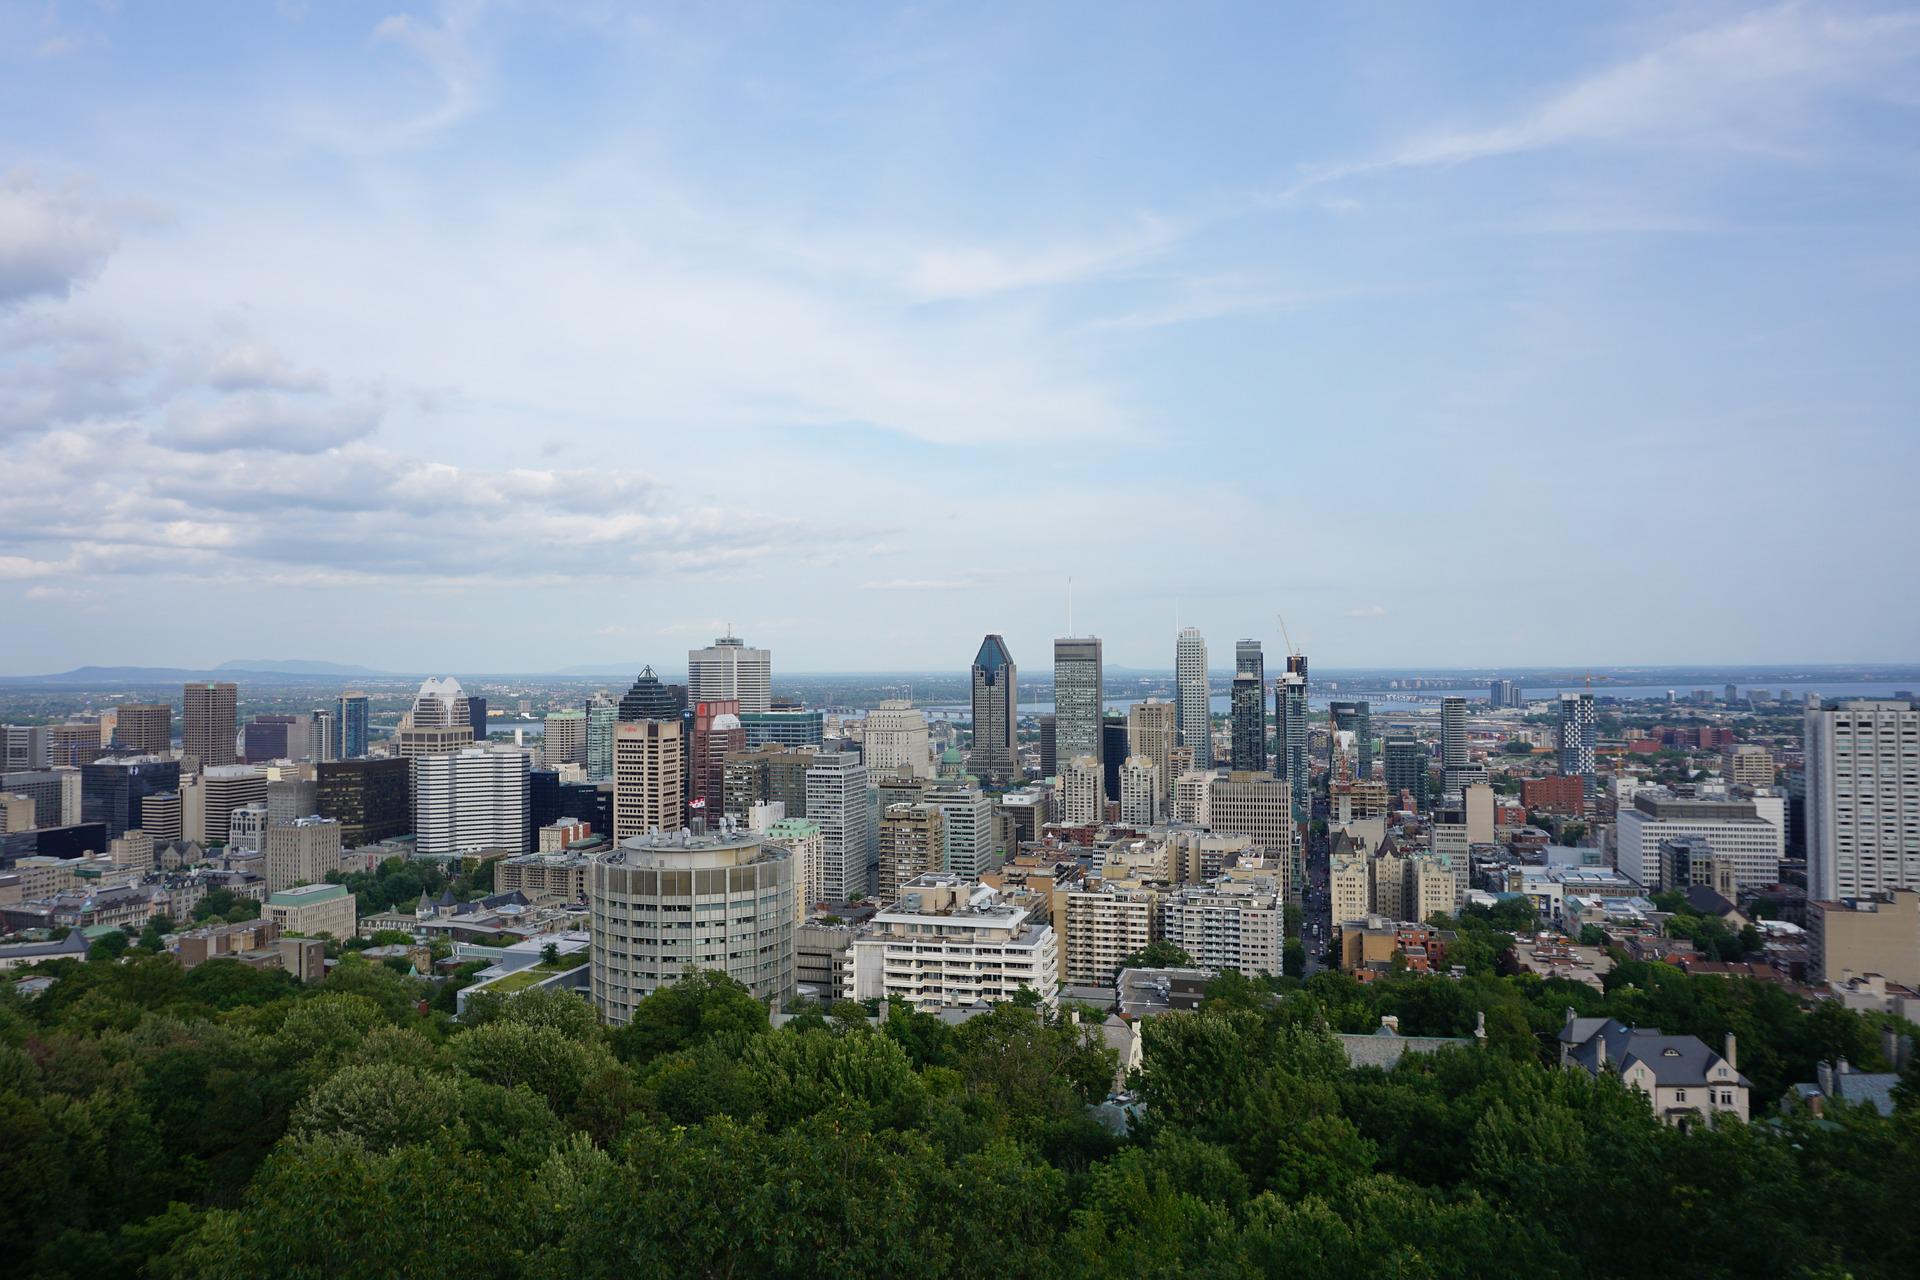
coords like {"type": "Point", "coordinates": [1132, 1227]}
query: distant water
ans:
{"type": "Point", "coordinates": [1395, 700]}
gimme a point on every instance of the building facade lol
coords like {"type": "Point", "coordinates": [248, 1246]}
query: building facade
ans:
{"type": "Point", "coordinates": [207, 726]}
{"type": "Point", "coordinates": [1195, 713]}
{"type": "Point", "coordinates": [476, 799]}
{"type": "Point", "coordinates": [728, 671]}
{"type": "Point", "coordinates": [951, 943]}
{"type": "Point", "coordinates": [667, 904]}
{"type": "Point", "coordinates": [1078, 698]}
{"type": "Point", "coordinates": [1863, 798]}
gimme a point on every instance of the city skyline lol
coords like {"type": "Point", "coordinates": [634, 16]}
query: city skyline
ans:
{"type": "Point", "coordinates": [436, 315]}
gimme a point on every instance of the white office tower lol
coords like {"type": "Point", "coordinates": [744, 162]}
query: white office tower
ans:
{"type": "Point", "coordinates": [1863, 798]}
{"type": "Point", "coordinates": [950, 943]}
{"type": "Point", "coordinates": [669, 903]}
{"type": "Point", "coordinates": [304, 851]}
{"type": "Point", "coordinates": [966, 828]}
{"type": "Point", "coordinates": [1190, 684]}
{"type": "Point", "coordinates": [1142, 794]}
{"type": "Point", "coordinates": [1453, 742]}
{"type": "Point", "coordinates": [440, 704]}
{"type": "Point", "coordinates": [471, 799]}
{"type": "Point", "coordinates": [322, 738]}
{"type": "Point", "coordinates": [1080, 791]}
{"type": "Point", "coordinates": [838, 800]}
{"type": "Point", "coordinates": [896, 736]}
{"type": "Point", "coordinates": [563, 739]}
{"type": "Point", "coordinates": [1579, 740]}
{"type": "Point", "coordinates": [1736, 830]}
{"type": "Point", "coordinates": [728, 670]}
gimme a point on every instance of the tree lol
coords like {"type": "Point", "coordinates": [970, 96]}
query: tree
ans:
{"type": "Point", "coordinates": [1293, 960]}
{"type": "Point", "coordinates": [1158, 954]}
{"type": "Point", "coordinates": [108, 946]}
{"type": "Point", "coordinates": [702, 1007]}
{"type": "Point", "coordinates": [550, 954]}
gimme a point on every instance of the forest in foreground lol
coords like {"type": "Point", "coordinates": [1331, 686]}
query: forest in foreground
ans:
{"type": "Point", "coordinates": [226, 1122]}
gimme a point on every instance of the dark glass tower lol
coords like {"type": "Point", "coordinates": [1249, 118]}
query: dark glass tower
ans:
{"type": "Point", "coordinates": [1290, 719]}
{"type": "Point", "coordinates": [1113, 752]}
{"type": "Point", "coordinates": [1249, 721]}
{"type": "Point", "coordinates": [648, 699]}
{"type": "Point", "coordinates": [996, 699]}
{"type": "Point", "coordinates": [111, 791]}
{"type": "Point", "coordinates": [1357, 719]}
{"type": "Point", "coordinates": [351, 725]}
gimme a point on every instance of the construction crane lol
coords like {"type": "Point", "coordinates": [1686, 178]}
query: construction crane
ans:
{"type": "Point", "coordinates": [1292, 652]}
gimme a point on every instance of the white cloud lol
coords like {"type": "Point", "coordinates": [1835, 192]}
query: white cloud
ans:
{"type": "Point", "coordinates": [1753, 84]}
{"type": "Point", "coordinates": [252, 366]}
{"type": "Point", "coordinates": [50, 240]}
{"type": "Point", "coordinates": [260, 420]}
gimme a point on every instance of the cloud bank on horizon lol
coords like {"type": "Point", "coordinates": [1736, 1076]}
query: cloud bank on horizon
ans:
{"type": "Point", "coordinates": [518, 336]}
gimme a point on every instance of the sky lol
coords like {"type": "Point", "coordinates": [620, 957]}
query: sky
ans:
{"type": "Point", "coordinates": [518, 336]}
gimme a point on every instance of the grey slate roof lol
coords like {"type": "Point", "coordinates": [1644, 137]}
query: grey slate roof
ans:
{"type": "Point", "coordinates": [71, 945]}
{"type": "Point", "coordinates": [1676, 1061]}
{"type": "Point", "coordinates": [1385, 1047]}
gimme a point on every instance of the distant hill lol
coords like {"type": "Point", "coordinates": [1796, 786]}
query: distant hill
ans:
{"type": "Point", "coordinates": [297, 667]}
{"type": "Point", "coordinates": [128, 676]}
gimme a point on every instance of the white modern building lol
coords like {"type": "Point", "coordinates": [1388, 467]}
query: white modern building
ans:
{"type": "Point", "coordinates": [440, 704]}
{"type": "Point", "coordinates": [838, 800]}
{"type": "Point", "coordinates": [1863, 798]}
{"type": "Point", "coordinates": [895, 737]}
{"type": "Point", "coordinates": [1190, 696]}
{"type": "Point", "coordinates": [802, 838]}
{"type": "Point", "coordinates": [951, 943]}
{"type": "Point", "coordinates": [728, 670]}
{"type": "Point", "coordinates": [666, 904]}
{"type": "Point", "coordinates": [1733, 829]}
{"type": "Point", "coordinates": [470, 800]}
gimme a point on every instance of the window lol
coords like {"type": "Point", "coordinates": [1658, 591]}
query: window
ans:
{"type": "Point", "coordinates": [1679, 1095]}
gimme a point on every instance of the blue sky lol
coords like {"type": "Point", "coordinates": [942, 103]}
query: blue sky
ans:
{"type": "Point", "coordinates": [515, 336]}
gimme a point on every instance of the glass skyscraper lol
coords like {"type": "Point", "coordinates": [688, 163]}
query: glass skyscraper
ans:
{"type": "Point", "coordinates": [1191, 711]}
{"type": "Point", "coordinates": [996, 713]}
{"type": "Point", "coordinates": [351, 726]}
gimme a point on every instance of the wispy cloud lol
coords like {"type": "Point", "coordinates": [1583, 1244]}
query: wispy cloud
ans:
{"type": "Point", "coordinates": [1367, 611]}
{"type": "Point", "coordinates": [1751, 84]}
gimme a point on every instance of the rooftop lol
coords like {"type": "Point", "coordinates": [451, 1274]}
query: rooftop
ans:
{"type": "Point", "coordinates": [307, 894]}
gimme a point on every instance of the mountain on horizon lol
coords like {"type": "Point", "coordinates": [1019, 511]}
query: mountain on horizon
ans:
{"type": "Point", "coordinates": [298, 667]}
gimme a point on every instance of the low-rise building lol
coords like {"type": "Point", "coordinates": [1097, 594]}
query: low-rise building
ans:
{"type": "Point", "coordinates": [312, 909]}
{"type": "Point", "coordinates": [949, 942]}
{"type": "Point", "coordinates": [1866, 935]}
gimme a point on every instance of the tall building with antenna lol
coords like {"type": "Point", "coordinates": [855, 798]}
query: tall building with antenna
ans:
{"type": "Point", "coordinates": [1078, 695]}
{"type": "Point", "coordinates": [728, 671]}
{"type": "Point", "coordinates": [1191, 711]}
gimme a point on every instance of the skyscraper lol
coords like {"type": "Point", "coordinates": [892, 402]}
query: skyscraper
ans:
{"type": "Point", "coordinates": [1152, 733]}
{"type": "Point", "coordinates": [564, 737]}
{"type": "Point", "coordinates": [1190, 696]}
{"type": "Point", "coordinates": [1406, 768]}
{"type": "Point", "coordinates": [1248, 657]}
{"type": "Point", "coordinates": [26, 747]}
{"type": "Point", "coordinates": [471, 799]}
{"type": "Point", "coordinates": [1357, 719]}
{"type": "Point", "coordinates": [1579, 738]}
{"type": "Point", "coordinates": [477, 716]}
{"type": "Point", "coordinates": [649, 776]}
{"type": "Point", "coordinates": [849, 845]}
{"type": "Point", "coordinates": [323, 735]}
{"type": "Point", "coordinates": [207, 723]}
{"type": "Point", "coordinates": [727, 670]}
{"type": "Point", "coordinates": [1863, 797]}
{"type": "Point", "coordinates": [717, 734]}
{"type": "Point", "coordinates": [1078, 696]}
{"type": "Point", "coordinates": [440, 704]}
{"type": "Point", "coordinates": [1080, 787]}
{"type": "Point", "coordinates": [1453, 742]}
{"type": "Point", "coordinates": [113, 791]}
{"type": "Point", "coordinates": [1049, 745]}
{"type": "Point", "coordinates": [370, 799]}
{"type": "Point", "coordinates": [996, 713]}
{"type": "Point", "coordinates": [602, 711]}
{"type": "Point", "coordinates": [145, 729]}
{"type": "Point", "coordinates": [648, 699]}
{"type": "Point", "coordinates": [1249, 720]}
{"type": "Point", "coordinates": [1290, 715]}
{"type": "Point", "coordinates": [352, 725]}
{"type": "Point", "coordinates": [1500, 694]}
{"type": "Point", "coordinates": [1113, 753]}
{"type": "Point", "coordinates": [895, 737]}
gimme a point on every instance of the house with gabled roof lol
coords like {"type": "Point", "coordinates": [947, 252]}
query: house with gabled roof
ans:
{"type": "Point", "coordinates": [1687, 1082]}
